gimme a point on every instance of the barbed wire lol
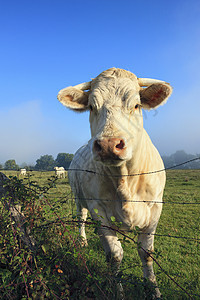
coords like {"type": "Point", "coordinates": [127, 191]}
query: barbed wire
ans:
{"type": "Point", "coordinates": [136, 174]}
{"type": "Point", "coordinates": [64, 199]}
{"type": "Point", "coordinates": [124, 235]}
{"type": "Point", "coordinates": [154, 234]}
{"type": "Point", "coordinates": [138, 201]}
{"type": "Point", "coordinates": [59, 220]}
{"type": "Point", "coordinates": [74, 243]}
{"type": "Point", "coordinates": [147, 252]}
{"type": "Point", "coordinates": [113, 200]}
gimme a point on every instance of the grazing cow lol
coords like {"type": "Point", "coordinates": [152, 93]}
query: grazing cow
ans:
{"type": "Point", "coordinates": [22, 172]}
{"type": "Point", "coordinates": [122, 159]}
{"type": "Point", "coordinates": [59, 172]}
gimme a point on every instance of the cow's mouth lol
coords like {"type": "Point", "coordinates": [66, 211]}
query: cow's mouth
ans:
{"type": "Point", "coordinates": [109, 161]}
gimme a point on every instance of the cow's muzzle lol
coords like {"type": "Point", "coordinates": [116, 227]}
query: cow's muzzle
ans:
{"type": "Point", "coordinates": [109, 149]}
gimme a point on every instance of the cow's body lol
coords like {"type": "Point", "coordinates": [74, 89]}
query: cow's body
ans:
{"type": "Point", "coordinates": [23, 172]}
{"type": "Point", "coordinates": [119, 154]}
{"type": "Point", "coordinates": [130, 199]}
{"type": "Point", "coordinates": [59, 172]}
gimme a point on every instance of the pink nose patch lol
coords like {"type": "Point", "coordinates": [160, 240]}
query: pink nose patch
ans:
{"type": "Point", "coordinates": [109, 148]}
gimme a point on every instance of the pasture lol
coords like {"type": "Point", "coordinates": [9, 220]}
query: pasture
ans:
{"type": "Point", "coordinates": [61, 269]}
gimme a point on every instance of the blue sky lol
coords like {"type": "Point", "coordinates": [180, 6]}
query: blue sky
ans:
{"type": "Point", "coordinates": [48, 45]}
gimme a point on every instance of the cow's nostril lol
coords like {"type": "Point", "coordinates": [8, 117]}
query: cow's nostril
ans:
{"type": "Point", "coordinates": [121, 145]}
{"type": "Point", "coordinates": [97, 146]}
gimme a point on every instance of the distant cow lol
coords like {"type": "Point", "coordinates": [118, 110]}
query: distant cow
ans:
{"type": "Point", "coordinates": [59, 172]}
{"type": "Point", "coordinates": [122, 159]}
{"type": "Point", "coordinates": [22, 172]}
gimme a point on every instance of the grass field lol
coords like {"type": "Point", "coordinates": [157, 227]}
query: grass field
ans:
{"type": "Point", "coordinates": [61, 269]}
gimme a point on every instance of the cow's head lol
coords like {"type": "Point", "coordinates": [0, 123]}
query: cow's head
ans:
{"type": "Point", "coordinates": [115, 99]}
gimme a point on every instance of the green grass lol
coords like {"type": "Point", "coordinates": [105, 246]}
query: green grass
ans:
{"type": "Point", "coordinates": [180, 257]}
{"type": "Point", "coordinates": [59, 248]}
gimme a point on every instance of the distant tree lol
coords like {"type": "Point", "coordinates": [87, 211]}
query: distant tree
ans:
{"type": "Point", "coordinates": [23, 165]}
{"type": "Point", "coordinates": [64, 160]}
{"type": "Point", "coordinates": [11, 165]}
{"type": "Point", "coordinates": [180, 157]}
{"type": "Point", "coordinates": [30, 168]}
{"type": "Point", "coordinates": [168, 161]}
{"type": "Point", "coordinates": [1, 167]}
{"type": "Point", "coordinates": [197, 162]}
{"type": "Point", "coordinates": [45, 162]}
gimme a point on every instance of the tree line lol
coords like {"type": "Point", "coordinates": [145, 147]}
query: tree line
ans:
{"type": "Point", "coordinates": [47, 162]}
{"type": "Point", "coordinates": [44, 163]}
{"type": "Point", "coordinates": [180, 157]}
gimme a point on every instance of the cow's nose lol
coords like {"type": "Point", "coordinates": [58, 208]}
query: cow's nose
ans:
{"type": "Point", "coordinates": [109, 147]}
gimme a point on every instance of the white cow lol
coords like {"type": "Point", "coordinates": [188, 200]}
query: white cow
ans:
{"type": "Point", "coordinates": [59, 172]}
{"type": "Point", "coordinates": [22, 172]}
{"type": "Point", "coordinates": [119, 148]}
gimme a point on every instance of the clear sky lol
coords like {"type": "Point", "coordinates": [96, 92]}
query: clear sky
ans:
{"type": "Point", "coordinates": [47, 45]}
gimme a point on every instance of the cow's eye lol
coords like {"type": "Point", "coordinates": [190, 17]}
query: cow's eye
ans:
{"type": "Point", "coordinates": [138, 106]}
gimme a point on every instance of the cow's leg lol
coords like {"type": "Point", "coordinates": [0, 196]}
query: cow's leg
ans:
{"type": "Point", "coordinates": [114, 255]}
{"type": "Point", "coordinates": [82, 216]}
{"type": "Point", "coordinates": [112, 247]}
{"type": "Point", "coordinates": [145, 247]}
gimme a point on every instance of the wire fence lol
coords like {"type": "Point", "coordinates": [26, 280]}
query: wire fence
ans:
{"type": "Point", "coordinates": [66, 219]}
{"type": "Point", "coordinates": [135, 174]}
{"type": "Point", "coordinates": [62, 221]}
{"type": "Point", "coordinates": [133, 240]}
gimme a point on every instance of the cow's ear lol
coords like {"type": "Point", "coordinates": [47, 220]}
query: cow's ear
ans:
{"type": "Point", "coordinates": [155, 95]}
{"type": "Point", "coordinates": [74, 98]}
